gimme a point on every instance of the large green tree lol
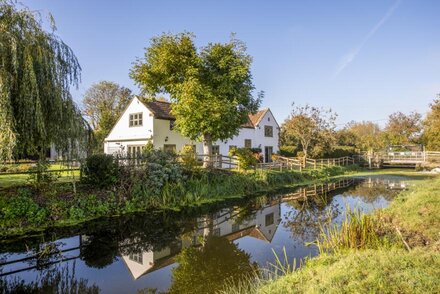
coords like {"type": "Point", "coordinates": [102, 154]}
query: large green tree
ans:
{"type": "Point", "coordinates": [403, 129]}
{"type": "Point", "coordinates": [36, 71]}
{"type": "Point", "coordinates": [312, 127]}
{"type": "Point", "coordinates": [366, 135]}
{"type": "Point", "coordinates": [210, 87]}
{"type": "Point", "coordinates": [103, 103]}
{"type": "Point", "coordinates": [431, 125]}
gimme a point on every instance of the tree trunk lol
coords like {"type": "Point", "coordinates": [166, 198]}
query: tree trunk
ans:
{"type": "Point", "coordinates": [207, 151]}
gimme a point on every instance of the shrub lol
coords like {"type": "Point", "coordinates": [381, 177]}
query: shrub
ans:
{"type": "Point", "coordinates": [340, 151]}
{"type": "Point", "coordinates": [42, 178]}
{"type": "Point", "coordinates": [288, 151]}
{"type": "Point", "coordinates": [22, 208]}
{"type": "Point", "coordinates": [244, 156]}
{"type": "Point", "coordinates": [100, 170]}
{"type": "Point", "coordinates": [188, 156]}
{"type": "Point", "coordinates": [89, 206]}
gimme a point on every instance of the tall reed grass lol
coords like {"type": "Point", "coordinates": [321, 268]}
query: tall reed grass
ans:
{"type": "Point", "coordinates": [358, 231]}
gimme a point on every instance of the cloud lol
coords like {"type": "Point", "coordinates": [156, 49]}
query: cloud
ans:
{"type": "Point", "coordinates": [350, 56]}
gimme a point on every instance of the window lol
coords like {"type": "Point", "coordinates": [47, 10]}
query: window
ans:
{"type": "Point", "coordinates": [135, 119]}
{"type": "Point", "coordinates": [247, 143]}
{"type": "Point", "coordinates": [235, 227]}
{"type": "Point", "coordinates": [137, 257]}
{"type": "Point", "coordinates": [169, 148]}
{"type": "Point", "coordinates": [172, 125]}
{"type": "Point", "coordinates": [269, 219]}
{"type": "Point", "coordinates": [268, 131]}
{"type": "Point", "coordinates": [134, 150]}
{"type": "Point", "coordinates": [215, 150]}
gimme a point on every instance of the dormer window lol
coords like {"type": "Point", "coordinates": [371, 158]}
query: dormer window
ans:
{"type": "Point", "coordinates": [135, 119]}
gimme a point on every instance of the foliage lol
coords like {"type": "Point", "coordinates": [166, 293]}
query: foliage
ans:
{"type": "Point", "coordinates": [100, 170]}
{"type": "Point", "coordinates": [340, 151]}
{"type": "Point", "coordinates": [103, 104]}
{"type": "Point", "coordinates": [365, 135]}
{"type": "Point", "coordinates": [403, 129]}
{"type": "Point", "coordinates": [36, 72]}
{"type": "Point", "coordinates": [22, 210]}
{"type": "Point", "coordinates": [245, 157]}
{"type": "Point", "coordinates": [188, 157]}
{"type": "Point", "coordinates": [41, 178]}
{"type": "Point", "coordinates": [431, 135]}
{"type": "Point", "coordinates": [288, 151]}
{"type": "Point", "coordinates": [312, 127]}
{"type": "Point", "coordinates": [210, 88]}
{"type": "Point", "coordinates": [357, 231]}
{"type": "Point", "coordinates": [90, 206]}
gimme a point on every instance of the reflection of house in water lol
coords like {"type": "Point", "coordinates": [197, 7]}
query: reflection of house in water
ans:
{"type": "Point", "coordinates": [144, 262]}
{"type": "Point", "coordinates": [227, 223]}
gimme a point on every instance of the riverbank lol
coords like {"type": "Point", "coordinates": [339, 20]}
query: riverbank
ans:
{"type": "Point", "coordinates": [26, 210]}
{"type": "Point", "coordinates": [395, 250]}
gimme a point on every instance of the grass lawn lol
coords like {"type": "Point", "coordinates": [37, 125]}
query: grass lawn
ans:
{"type": "Point", "coordinates": [8, 181]}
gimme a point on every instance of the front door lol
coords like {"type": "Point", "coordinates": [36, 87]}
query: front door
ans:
{"type": "Point", "coordinates": [268, 150]}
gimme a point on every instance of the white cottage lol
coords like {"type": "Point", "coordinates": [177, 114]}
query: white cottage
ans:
{"type": "Point", "coordinates": [152, 121]}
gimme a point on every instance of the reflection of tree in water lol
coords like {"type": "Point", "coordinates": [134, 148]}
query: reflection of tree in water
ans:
{"type": "Point", "coordinates": [370, 192]}
{"type": "Point", "coordinates": [56, 280]}
{"type": "Point", "coordinates": [305, 220]}
{"type": "Point", "coordinates": [128, 235]}
{"type": "Point", "coordinates": [205, 269]}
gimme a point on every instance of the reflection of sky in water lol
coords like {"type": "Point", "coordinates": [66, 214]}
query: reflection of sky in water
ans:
{"type": "Point", "coordinates": [292, 231]}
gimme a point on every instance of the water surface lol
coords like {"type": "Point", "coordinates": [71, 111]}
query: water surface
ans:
{"type": "Point", "coordinates": [191, 252]}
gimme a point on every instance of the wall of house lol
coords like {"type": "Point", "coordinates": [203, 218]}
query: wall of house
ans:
{"type": "Point", "coordinates": [268, 120]}
{"type": "Point", "coordinates": [122, 135]}
{"type": "Point", "coordinates": [163, 135]}
{"type": "Point", "coordinates": [256, 135]}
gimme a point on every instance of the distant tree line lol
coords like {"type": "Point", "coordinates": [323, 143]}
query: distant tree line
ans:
{"type": "Point", "coordinates": [311, 131]}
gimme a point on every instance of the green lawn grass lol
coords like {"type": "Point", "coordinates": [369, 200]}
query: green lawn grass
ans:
{"type": "Point", "coordinates": [8, 181]}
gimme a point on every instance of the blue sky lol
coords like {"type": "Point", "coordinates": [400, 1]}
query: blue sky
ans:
{"type": "Point", "coordinates": [364, 59]}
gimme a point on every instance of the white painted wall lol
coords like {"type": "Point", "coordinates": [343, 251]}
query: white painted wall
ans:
{"type": "Point", "coordinates": [163, 135]}
{"type": "Point", "coordinates": [123, 135]}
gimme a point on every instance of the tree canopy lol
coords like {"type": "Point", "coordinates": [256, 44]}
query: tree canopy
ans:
{"type": "Point", "coordinates": [210, 87]}
{"type": "Point", "coordinates": [403, 129]}
{"type": "Point", "coordinates": [313, 127]}
{"type": "Point", "coordinates": [367, 135]}
{"type": "Point", "coordinates": [103, 103]}
{"type": "Point", "coordinates": [431, 124]}
{"type": "Point", "coordinates": [36, 71]}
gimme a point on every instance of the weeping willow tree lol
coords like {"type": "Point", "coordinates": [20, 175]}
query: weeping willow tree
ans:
{"type": "Point", "coordinates": [37, 70]}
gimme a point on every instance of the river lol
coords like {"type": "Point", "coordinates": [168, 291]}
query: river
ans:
{"type": "Point", "coordinates": [195, 251]}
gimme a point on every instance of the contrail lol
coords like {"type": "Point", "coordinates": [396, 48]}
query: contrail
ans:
{"type": "Point", "coordinates": [348, 58]}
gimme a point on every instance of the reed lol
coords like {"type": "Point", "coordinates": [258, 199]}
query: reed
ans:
{"type": "Point", "coordinates": [358, 231]}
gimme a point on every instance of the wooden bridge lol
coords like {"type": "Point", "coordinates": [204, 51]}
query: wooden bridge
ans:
{"type": "Point", "coordinates": [401, 159]}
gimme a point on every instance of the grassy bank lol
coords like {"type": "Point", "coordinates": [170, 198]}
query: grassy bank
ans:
{"type": "Point", "coordinates": [33, 209]}
{"type": "Point", "coordinates": [395, 250]}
